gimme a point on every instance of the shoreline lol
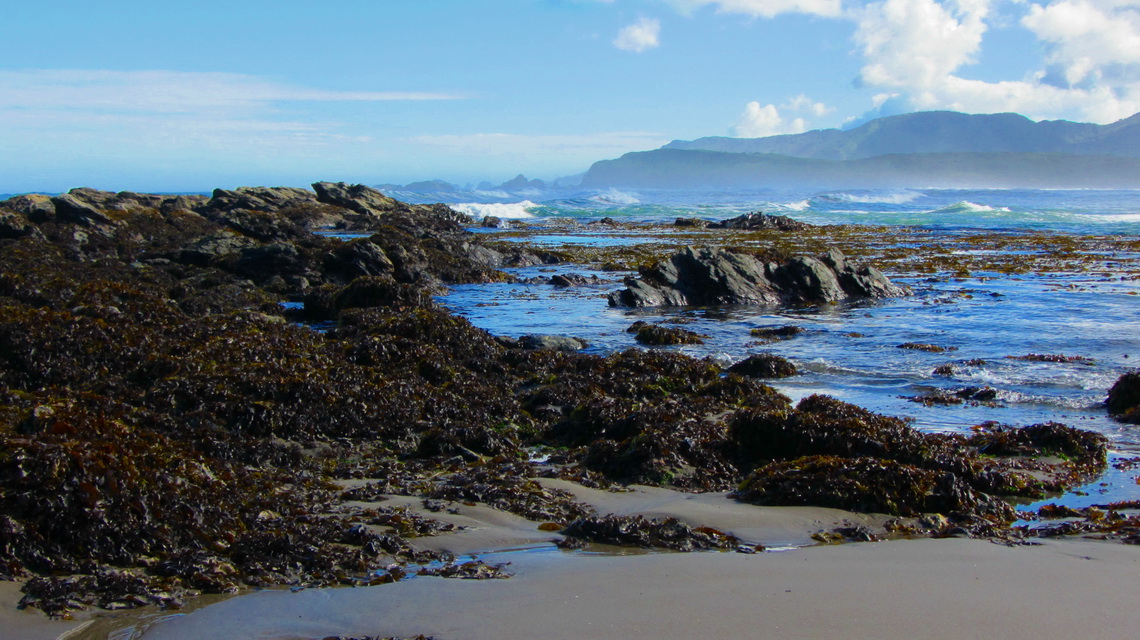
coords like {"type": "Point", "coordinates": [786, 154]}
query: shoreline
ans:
{"type": "Point", "coordinates": [170, 339]}
{"type": "Point", "coordinates": [952, 588]}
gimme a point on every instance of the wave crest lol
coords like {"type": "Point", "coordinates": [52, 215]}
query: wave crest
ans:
{"type": "Point", "coordinates": [480, 210]}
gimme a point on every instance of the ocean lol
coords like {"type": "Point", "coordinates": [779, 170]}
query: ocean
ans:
{"type": "Point", "coordinates": [986, 322]}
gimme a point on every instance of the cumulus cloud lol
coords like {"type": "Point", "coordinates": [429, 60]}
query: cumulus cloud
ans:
{"type": "Point", "coordinates": [639, 36]}
{"type": "Point", "coordinates": [919, 48]}
{"type": "Point", "coordinates": [758, 121]}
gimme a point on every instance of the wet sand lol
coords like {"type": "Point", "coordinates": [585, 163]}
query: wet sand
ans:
{"type": "Point", "coordinates": [953, 588]}
{"type": "Point", "coordinates": [902, 589]}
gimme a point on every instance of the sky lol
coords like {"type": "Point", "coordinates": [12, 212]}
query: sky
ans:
{"type": "Point", "coordinates": [188, 96]}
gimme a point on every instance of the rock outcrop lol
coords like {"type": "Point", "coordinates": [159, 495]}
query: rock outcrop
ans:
{"type": "Point", "coordinates": [757, 220]}
{"type": "Point", "coordinates": [710, 276]}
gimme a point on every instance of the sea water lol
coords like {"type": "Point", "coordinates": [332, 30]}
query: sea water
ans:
{"type": "Point", "coordinates": [985, 322]}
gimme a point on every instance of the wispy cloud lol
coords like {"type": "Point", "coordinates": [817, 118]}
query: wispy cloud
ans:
{"type": "Point", "coordinates": [764, 8]}
{"type": "Point", "coordinates": [166, 91]}
{"type": "Point", "coordinates": [594, 146]}
{"type": "Point", "coordinates": [639, 36]}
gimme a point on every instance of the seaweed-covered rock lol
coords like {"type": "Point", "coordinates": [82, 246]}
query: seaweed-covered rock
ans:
{"type": "Point", "coordinates": [659, 335]}
{"type": "Point", "coordinates": [1085, 449]}
{"type": "Point", "coordinates": [707, 276]}
{"type": "Point", "coordinates": [638, 531]}
{"type": "Point", "coordinates": [822, 425]}
{"type": "Point", "coordinates": [1124, 398]}
{"type": "Point", "coordinates": [871, 485]}
{"type": "Point", "coordinates": [764, 365]}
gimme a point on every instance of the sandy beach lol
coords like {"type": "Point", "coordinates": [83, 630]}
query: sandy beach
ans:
{"type": "Point", "coordinates": [901, 589]}
{"type": "Point", "coordinates": [947, 588]}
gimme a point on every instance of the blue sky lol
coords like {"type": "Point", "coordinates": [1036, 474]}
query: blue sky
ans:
{"type": "Point", "coordinates": [182, 96]}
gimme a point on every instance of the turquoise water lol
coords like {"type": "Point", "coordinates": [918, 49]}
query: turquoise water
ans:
{"type": "Point", "coordinates": [1082, 211]}
{"type": "Point", "coordinates": [851, 351]}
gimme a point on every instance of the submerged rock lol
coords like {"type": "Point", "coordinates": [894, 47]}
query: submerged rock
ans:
{"type": "Point", "coordinates": [764, 365]}
{"type": "Point", "coordinates": [710, 276]}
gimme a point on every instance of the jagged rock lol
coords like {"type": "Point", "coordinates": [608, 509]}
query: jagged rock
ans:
{"type": "Point", "coordinates": [708, 276]}
{"type": "Point", "coordinates": [360, 257]}
{"type": "Point", "coordinates": [211, 248]}
{"type": "Point", "coordinates": [555, 343]}
{"type": "Point", "coordinates": [764, 365]}
{"type": "Point", "coordinates": [263, 262]}
{"type": "Point", "coordinates": [121, 201]}
{"type": "Point", "coordinates": [492, 222]}
{"type": "Point", "coordinates": [37, 207]}
{"type": "Point", "coordinates": [258, 198]}
{"type": "Point", "coordinates": [357, 197]}
{"type": "Point", "coordinates": [1124, 398]}
{"type": "Point", "coordinates": [69, 208]}
{"type": "Point", "coordinates": [15, 225]}
{"type": "Point", "coordinates": [757, 220]}
{"type": "Point", "coordinates": [182, 204]}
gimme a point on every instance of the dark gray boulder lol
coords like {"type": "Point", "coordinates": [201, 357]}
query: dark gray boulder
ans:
{"type": "Point", "coordinates": [37, 207]}
{"type": "Point", "coordinates": [70, 208]}
{"type": "Point", "coordinates": [555, 343]}
{"type": "Point", "coordinates": [360, 257]}
{"type": "Point", "coordinates": [356, 197]}
{"type": "Point", "coordinates": [15, 225]}
{"type": "Point", "coordinates": [709, 276]}
{"type": "Point", "coordinates": [1124, 398]}
{"type": "Point", "coordinates": [258, 199]}
{"type": "Point", "coordinates": [757, 220]}
{"type": "Point", "coordinates": [262, 262]}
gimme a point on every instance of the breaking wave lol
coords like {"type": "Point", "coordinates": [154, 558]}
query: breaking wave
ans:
{"type": "Point", "coordinates": [479, 210]}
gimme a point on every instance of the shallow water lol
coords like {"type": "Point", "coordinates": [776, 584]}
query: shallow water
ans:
{"type": "Point", "coordinates": [852, 352]}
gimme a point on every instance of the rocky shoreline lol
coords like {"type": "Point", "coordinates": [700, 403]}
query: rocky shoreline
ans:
{"type": "Point", "coordinates": [173, 424]}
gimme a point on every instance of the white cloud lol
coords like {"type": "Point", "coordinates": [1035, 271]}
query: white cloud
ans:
{"type": "Point", "coordinates": [639, 36]}
{"type": "Point", "coordinates": [918, 48]}
{"type": "Point", "coordinates": [759, 121]}
{"type": "Point", "coordinates": [918, 43]}
{"type": "Point", "coordinates": [764, 8]}
{"type": "Point", "coordinates": [1085, 36]}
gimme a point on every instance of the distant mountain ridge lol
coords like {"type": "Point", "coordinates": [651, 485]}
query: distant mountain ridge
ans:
{"type": "Point", "coordinates": [940, 132]}
{"type": "Point", "coordinates": [939, 149]}
{"type": "Point", "coordinates": [693, 169]}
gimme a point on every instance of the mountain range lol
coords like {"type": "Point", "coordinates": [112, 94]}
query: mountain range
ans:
{"type": "Point", "coordinates": [925, 149]}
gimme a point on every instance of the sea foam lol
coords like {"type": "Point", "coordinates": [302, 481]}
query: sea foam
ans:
{"type": "Point", "coordinates": [480, 210]}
